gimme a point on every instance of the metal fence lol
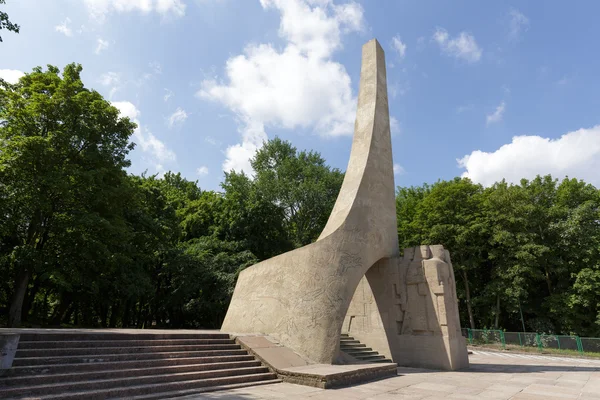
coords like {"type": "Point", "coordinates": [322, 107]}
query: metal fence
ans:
{"type": "Point", "coordinates": [530, 339]}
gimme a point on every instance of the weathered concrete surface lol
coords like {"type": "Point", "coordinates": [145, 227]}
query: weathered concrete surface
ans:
{"type": "Point", "coordinates": [8, 348]}
{"type": "Point", "coordinates": [408, 309]}
{"type": "Point", "coordinates": [498, 376]}
{"type": "Point", "coordinates": [423, 311]}
{"type": "Point", "coordinates": [292, 368]}
{"type": "Point", "coordinates": [301, 297]}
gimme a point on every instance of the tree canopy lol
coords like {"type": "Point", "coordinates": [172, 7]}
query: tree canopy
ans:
{"type": "Point", "coordinates": [531, 248]}
{"type": "Point", "coordinates": [84, 243]}
{"type": "Point", "coordinates": [5, 23]}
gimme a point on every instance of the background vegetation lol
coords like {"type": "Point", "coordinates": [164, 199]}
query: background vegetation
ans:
{"type": "Point", "coordinates": [83, 243]}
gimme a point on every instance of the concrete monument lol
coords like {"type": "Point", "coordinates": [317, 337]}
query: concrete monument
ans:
{"type": "Point", "coordinates": [302, 297]}
{"type": "Point", "coordinates": [424, 311]}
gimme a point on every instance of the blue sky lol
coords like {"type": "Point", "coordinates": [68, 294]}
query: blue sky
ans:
{"type": "Point", "coordinates": [488, 90]}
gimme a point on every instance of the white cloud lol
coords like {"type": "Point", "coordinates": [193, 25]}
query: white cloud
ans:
{"type": "Point", "coordinates": [463, 108]}
{"type": "Point", "coordinates": [497, 115]}
{"type": "Point", "coordinates": [11, 75]}
{"type": "Point", "coordinates": [202, 171]}
{"type": "Point", "coordinates": [399, 46]}
{"type": "Point", "coordinates": [168, 95]}
{"type": "Point", "coordinates": [111, 79]}
{"type": "Point", "coordinates": [297, 86]}
{"type": "Point", "coordinates": [178, 117]}
{"type": "Point", "coordinates": [462, 46]}
{"type": "Point", "coordinates": [128, 109]}
{"type": "Point", "coordinates": [155, 67]}
{"type": "Point", "coordinates": [575, 154]}
{"type": "Point", "coordinates": [518, 23]}
{"type": "Point", "coordinates": [147, 141]}
{"type": "Point", "coordinates": [398, 170]}
{"type": "Point", "coordinates": [238, 156]}
{"type": "Point", "coordinates": [101, 45]}
{"type": "Point", "coordinates": [64, 28]}
{"type": "Point", "coordinates": [394, 126]}
{"type": "Point", "coordinates": [212, 141]}
{"type": "Point", "coordinates": [177, 7]}
{"type": "Point", "coordinates": [99, 9]}
{"type": "Point", "coordinates": [157, 148]}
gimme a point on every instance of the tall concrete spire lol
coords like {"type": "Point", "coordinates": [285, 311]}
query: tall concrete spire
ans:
{"type": "Point", "coordinates": [301, 297]}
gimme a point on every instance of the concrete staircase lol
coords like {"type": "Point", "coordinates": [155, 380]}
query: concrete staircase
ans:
{"type": "Point", "coordinates": [360, 351]}
{"type": "Point", "coordinates": [133, 366]}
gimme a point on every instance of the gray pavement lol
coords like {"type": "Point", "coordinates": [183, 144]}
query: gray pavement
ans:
{"type": "Point", "coordinates": [493, 375]}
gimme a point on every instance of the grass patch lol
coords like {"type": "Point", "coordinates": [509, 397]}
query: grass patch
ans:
{"type": "Point", "coordinates": [534, 350]}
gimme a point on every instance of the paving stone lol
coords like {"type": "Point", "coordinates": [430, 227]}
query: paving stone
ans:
{"type": "Point", "coordinates": [486, 379]}
{"type": "Point", "coordinates": [437, 387]}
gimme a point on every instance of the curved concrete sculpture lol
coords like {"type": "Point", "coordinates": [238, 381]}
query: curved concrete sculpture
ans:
{"type": "Point", "coordinates": [420, 326]}
{"type": "Point", "coordinates": [302, 296]}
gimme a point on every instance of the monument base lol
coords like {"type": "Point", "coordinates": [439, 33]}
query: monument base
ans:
{"type": "Point", "coordinates": [292, 368]}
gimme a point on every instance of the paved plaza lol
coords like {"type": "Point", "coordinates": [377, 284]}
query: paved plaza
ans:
{"type": "Point", "coordinates": [493, 375]}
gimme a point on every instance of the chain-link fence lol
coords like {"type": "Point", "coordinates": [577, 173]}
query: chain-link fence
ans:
{"type": "Point", "coordinates": [529, 339]}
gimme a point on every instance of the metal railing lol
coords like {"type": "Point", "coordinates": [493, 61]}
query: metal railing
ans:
{"type": "Point", "coordinates": [530, 339]}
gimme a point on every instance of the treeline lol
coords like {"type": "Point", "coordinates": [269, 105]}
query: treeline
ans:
{"type": "Point", "coordinates": [526, 256]}
{"type": "Point", "coordinates": [82, 243]}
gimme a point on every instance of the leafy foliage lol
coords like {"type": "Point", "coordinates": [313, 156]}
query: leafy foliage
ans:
{"type": "Point", "coordinates": [530, 248]}
{"type": "Point", "coordinates": [83, 243]}
{"type": "Point", "coordinates": [5, 23]}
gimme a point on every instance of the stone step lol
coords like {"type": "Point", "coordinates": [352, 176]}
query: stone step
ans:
{"type": "Point", "coordinates": [352, 345]}
{"type": "Point", "coordinates": [39, 344]}
{"type": "Point", "coordinates": [159, 390]}
{"type": "Point", "coordinates": [80, 351]}
{"type": "Point", "coordinates": [112, 336]}
{"type": "Point", "coordinates": [189, 392]}
{"type": "Point", "coordinates": [122, 386]}
{"type": "Point", "coordinates": [360, 351]}
{"type": "Point", "coordinates": [46, 379]}
{"type": "Point", "coordinates": [119, 365]}
{"type": "Point", "coordinates": [370, 358]}
{"type": "Point", "coordinates": [98, 357]}
{"type": "Point", "coordinates": [364, 352]}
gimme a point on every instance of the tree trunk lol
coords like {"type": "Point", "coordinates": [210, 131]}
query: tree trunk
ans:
{"type": "Point", "coordinates": [468, 295]}
{"type": "Point", "coordinates": [61, 310]}
{"type": "Point", "coordinates": [114, 314]}
{"type": "Point", "coordinates": [16, 304]}
{"type": "Point", "coordinates": [497, 311]}
{"type": "Point", "coordinates": [548, 281]}
{"type": "Point", "coordinates": [29, 298]}
{"type": "Point", "coordinates": [68, 314]}
{"type": "Point", "coordinates": [126, 315]}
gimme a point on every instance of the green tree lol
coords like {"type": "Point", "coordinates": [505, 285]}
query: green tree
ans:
{"type": "Point", "coordinates": [301, 184]}
{"type": "Point", "coordinates": [63, 152]}
{"type": "Point", "coordinates": [5, 23]}
{"type": "Point", "coordinates": [450, 214]}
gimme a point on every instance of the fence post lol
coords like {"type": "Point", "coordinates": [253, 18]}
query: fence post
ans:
{"type": "Point", "coordinates": [538, 339]}
{"type": "Point", "coordinates": [470, 333]}
{"type": "Point", "coordinates": [579, 344]}
{"type": "Point", "coordinates": [558, 341]}
{"type": "Point", "coordinates": [503, 340]}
